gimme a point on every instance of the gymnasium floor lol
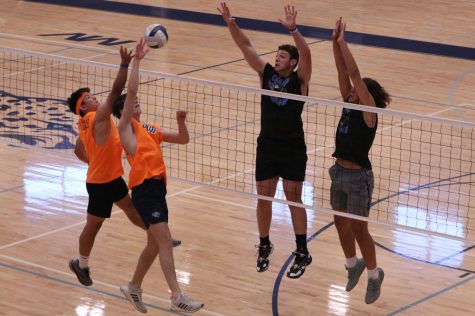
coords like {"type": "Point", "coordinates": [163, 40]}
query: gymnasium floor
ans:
{"type": "Point", "coordinates": [423, 53]}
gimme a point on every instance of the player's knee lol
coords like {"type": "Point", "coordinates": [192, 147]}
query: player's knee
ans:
{"type": "Point", "coordinates": [94, 222]}
{"type": "Point", "coordinates": [152, 248]}
{"type": "Point", "coordinates": [359, 228]}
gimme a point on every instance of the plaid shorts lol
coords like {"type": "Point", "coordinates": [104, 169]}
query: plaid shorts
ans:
{"type": "Point", "coordinates": [351, 189]}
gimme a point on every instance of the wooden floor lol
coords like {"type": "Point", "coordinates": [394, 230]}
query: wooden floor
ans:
{"type": "Point", "coordinates": [43, 197]}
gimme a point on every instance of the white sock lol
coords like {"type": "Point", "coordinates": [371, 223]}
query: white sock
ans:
{"type": "Point", "coordinates": [133, 288]}
{"type": "Point", "coordinates": [351, 262]}
{"type": "Point", "coordinates": [83, 261]}
{"type": "Point", "coordinates": [373, 274]}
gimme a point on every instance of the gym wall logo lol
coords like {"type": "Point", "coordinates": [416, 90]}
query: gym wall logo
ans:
{"type": "Point", "coordinates": [82, 37]}
{"type": "Point", "coordinates": [36, 121]}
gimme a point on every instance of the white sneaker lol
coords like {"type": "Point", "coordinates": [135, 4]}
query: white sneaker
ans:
{"type": "Point", "coordinates": [134, 296]}
{"type": "Point", "coordinates": [185, 304]}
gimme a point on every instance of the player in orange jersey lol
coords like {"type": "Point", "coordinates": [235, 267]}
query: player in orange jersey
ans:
{"type": "Point", "coordinates": [147, 180]}
{"type": "Point", "coordinates": [99, 146]}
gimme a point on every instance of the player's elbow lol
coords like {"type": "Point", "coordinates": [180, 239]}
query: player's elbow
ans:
{"type": "Point", "coordinates": [132, 91]}
{"type": "Point", "coordinates": [121, 127]}
{"type": "Point", "coordinates": [185, 139]}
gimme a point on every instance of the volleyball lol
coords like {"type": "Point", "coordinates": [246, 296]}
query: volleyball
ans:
{"type": "Point", "coordinates": [156, 36]}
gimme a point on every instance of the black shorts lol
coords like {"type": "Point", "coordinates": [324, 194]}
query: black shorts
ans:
{"type": "Point", "coordinates": [149, 201]}
{"type": "Point", "coordinates": [103, 195]}
{"type": "Point", "coordinates": [283, 158]}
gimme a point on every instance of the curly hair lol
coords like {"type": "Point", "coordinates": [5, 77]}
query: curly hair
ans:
{"type": "Point", "coordinates": [118, 105]}
{"type": "Point", "coordinates": [380, 96]}
{"type": "Point", "coordinates": [73, 99]}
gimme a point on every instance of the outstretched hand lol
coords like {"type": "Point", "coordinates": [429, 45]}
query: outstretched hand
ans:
{"type": "Point", "coordinates": [126, 55]}
{"type": "Point", "coordinates": [289, 20]}
{"type": "Point", "coordinates": [139, 50]}
{"type": "Point", "coordinates": [340, 27]}
{"type": "Point", "coordinates": [180, 116]}
{"type": "Point", "coordinates": [227, 17]}
{"type": "Point", "coordinates": [336, 30]}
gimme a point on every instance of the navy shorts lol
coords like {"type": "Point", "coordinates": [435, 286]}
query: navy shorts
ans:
{"type": "Point", "coordinates": [103, 195]}
{"type": "Point", "coordinates": [149, 201]}
{"type": "Point", "coordinates": [351, 189]}
{"type": "Point", "coordinates": [283, 158]}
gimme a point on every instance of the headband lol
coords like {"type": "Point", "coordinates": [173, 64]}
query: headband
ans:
{"type": "Point", "coordinates": [79, 102]}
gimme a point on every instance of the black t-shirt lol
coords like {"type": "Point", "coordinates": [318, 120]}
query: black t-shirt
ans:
{"type": "Point", "coordinates": [281, 118]}
{"type": "Point", "coordinates": [354, 138]}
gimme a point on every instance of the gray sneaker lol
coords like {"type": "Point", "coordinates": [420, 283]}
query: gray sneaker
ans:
{"type": "Point", "coordinates": [354, 274]}
{"type": "Point", "coordinates": [83, 275]}
{"type": "Point", "coordinates": [134, 296]}
{"type": "Point", "coordinates": [176, 242]}
{"type": "Point", "coordinates": [374, 288]}
{"type": "Point", "coordinates": [185, 304]}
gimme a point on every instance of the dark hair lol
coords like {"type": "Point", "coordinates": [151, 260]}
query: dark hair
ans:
{"type": "Point", "coordinates": [118, 105]}
{"type": "Point", "coordinates": [380, 96]}
{"type": "Point", "coordinates": [292, 50]}
{"type": "Point", "coordinates": [73, 99]}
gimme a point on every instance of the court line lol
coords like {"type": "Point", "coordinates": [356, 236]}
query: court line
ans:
{"type": "Point", "coordinates": [105, 284]}
{"type": "Point", "coordinates": [455, 254]}
{"type": "Point", "coordinates": [79, 223]}
{"type": "Point", "coordinates": [236, 204]}
{"type": "Point", "coordinates": [287, 262]}
{"type": "Point", "coordinates": [84, 47]}
{"type": "Point", "coordinates": [64, 282]}
{"type": "Point", "coordinates": [325, 211]}
{"type": "Point", "coordinates": [422, 260]}
{"type": "Point", "coordinates": [119, 296]}
{"type": "Point", "coordinates": [275, 291]}
{"type": "Point", "coordinates": [429, 297]}
{"type": "Point", "coordinates": [69, 274]}
{"type": "Point", "coordinates": [379, 41]}
{"type": "Point", "coordinates": [67, 46]}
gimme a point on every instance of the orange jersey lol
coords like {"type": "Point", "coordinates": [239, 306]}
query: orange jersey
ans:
{"type": "Point", "coordinates": [105, 163]}
{"type": "Point", "coordinates": [148, 160]}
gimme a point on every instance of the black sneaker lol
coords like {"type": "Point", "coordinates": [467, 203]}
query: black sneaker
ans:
{"type": "Point", "coordinates": [302, 260]}
{"type": "Point", "coordinates": [374, 288]}
{"type": "Point", "coordinates": [83, 275]}
{"type": "Point", "coordinates": [263, 256]}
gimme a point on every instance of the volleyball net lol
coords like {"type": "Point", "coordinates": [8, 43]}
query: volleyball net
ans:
{"type": "Point", "coordinates": [423, 166]}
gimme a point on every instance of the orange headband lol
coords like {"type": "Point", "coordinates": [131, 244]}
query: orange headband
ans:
{"type": "Point", "coordinates": [79, 102]}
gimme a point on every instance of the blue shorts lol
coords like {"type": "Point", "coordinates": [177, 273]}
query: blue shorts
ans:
{"type": "Point", "coordinates": [351, 189]}
{"type": "Point", "coordinates": [103, 195]}
{"type": "Point", "coordinates": [149, 201]}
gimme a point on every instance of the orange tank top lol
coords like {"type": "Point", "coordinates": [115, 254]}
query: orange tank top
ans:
{"type": "Point", "coordinates": [105, 161]}
{"type": "Point", "coordinates": [148, 160]}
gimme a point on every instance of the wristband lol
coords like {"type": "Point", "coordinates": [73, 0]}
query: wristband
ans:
{"type": "Point", "coordinates": [295, 30]}
{"type": "Point", "coordinates": [124, 65]}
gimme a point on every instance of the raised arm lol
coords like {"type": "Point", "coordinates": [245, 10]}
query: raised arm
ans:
{"type": "Point", "coordinates": [353, 72]}
{"type": "Point", "coordinates": [105, 109]}
{"type": "Point", "coordinates": [352, 69]}
{"type": "Point", "coordinates": [343, 78]}
{"type": "Point", "coordinates": [304, 69]}
{"type": "Point", "coordinates": [127, 137]}
{"type": "Point", "coordinates": [182, 137]}
{"type": "Point", "coordinates": [242, 41]}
